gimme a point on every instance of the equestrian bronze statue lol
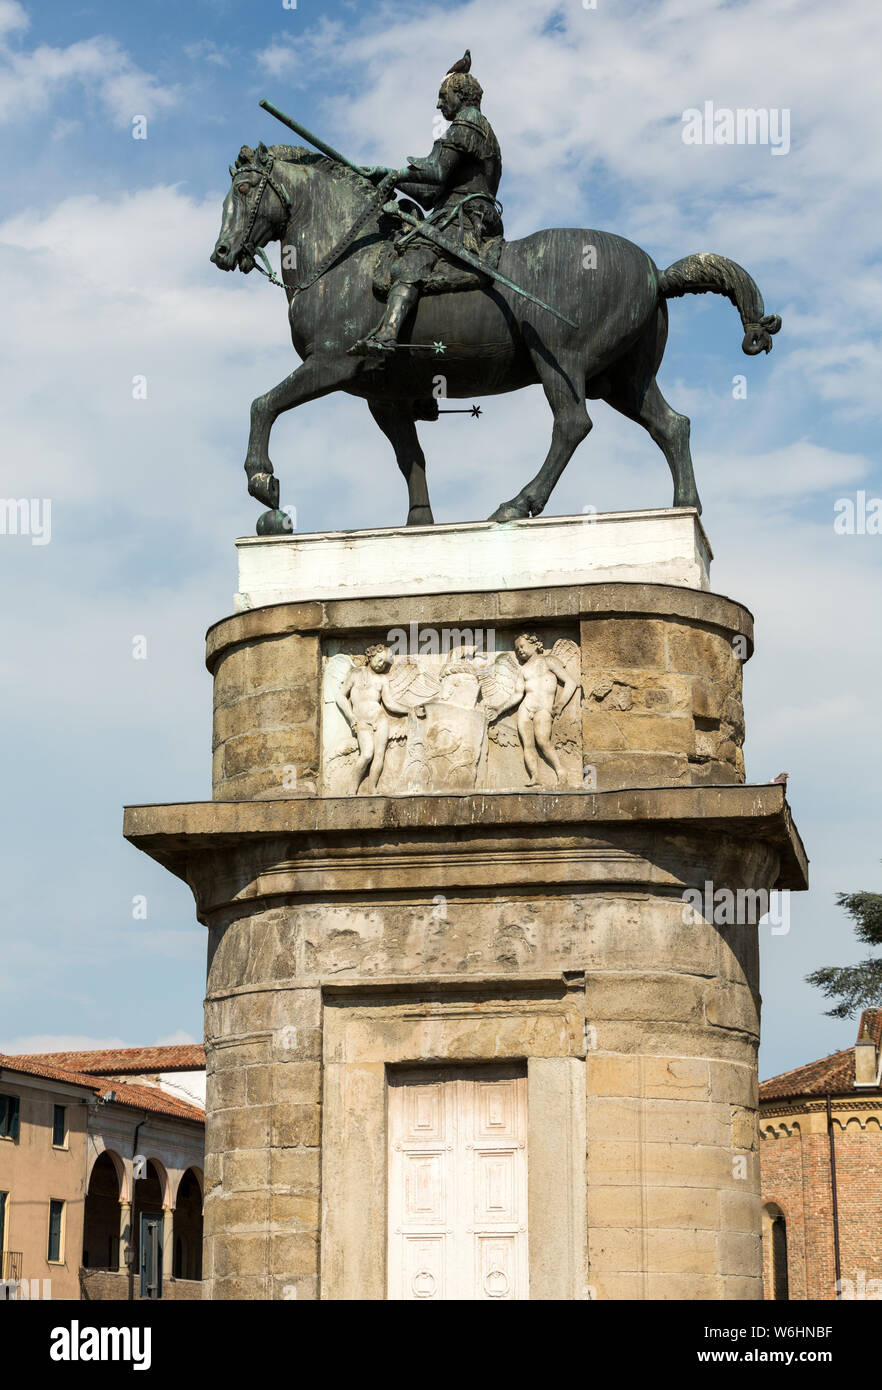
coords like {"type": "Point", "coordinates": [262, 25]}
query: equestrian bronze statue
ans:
{"type": "Point", "coordinates": [385, 297]}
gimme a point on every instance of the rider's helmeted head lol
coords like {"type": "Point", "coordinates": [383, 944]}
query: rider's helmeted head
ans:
{"type": "Point", "coordinates": [458, 89]}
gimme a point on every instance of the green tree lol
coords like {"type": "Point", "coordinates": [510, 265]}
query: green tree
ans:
{"type": "Point", "coordinates": [858, 986]}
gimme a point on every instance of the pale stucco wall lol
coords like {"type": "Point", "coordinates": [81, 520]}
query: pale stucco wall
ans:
{"type": "Point", "coordinates": [32, 1171]}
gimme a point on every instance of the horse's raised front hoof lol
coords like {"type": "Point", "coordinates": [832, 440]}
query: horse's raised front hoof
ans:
{"type": "Point", "coordinates": [265, 488]}
{"type": "Point", "coordinates": [509, 511]}
{"type": "Point", "coordinates": [420, 516]}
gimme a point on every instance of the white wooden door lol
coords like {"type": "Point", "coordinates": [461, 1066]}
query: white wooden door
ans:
{"type": "Point", "coordinates": [458, 1183]}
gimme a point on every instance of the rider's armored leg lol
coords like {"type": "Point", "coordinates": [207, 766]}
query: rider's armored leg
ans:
{"type": "Point", "coordinates": [400, 301]}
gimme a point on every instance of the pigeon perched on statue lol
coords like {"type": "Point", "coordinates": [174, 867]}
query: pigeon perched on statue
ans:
{"type": "Point", "coordinates": [463, 65]}
{"type": "Point", "coordinates": [782, 778]}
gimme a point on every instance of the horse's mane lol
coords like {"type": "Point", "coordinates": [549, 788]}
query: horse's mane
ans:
{"type": "Point", "coordinates": [299, 154]}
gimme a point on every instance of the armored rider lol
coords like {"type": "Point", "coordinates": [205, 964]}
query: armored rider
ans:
{"type": "Point", "coordinates": [457, 182]}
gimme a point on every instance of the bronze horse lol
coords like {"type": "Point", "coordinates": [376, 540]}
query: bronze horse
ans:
{"type": "Point", "coordinates": [493, 339]}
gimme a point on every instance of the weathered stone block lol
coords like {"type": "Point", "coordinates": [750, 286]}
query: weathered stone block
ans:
{"type": "Point", "coordinates": [740, 1253]}
{"type": "Point", "coordinates": [613, 1119]}
{"type": "Point", "coordinates": [710, 699]}
{"type": "Point", "coordinates": [686, 1164]}
{"type": "Point", "coordinates": [734, 1083]}
{"type": "Point", "coordinates": [624, 768]}
{"type": "Point", "coordinates": [225, 1089]}
{"type": "Point", "coordinates": [730, 1005]}
{"type": "Point", "coordinates": [682, 1287]}
{"type": "Point", "coordinates": [671, 998]}
{"type": "Point", "coordinates": [658, 733]}
{"type": "Point", "coordinates": [683, 1077]}
{"type": "Point", "coordinates": [259, 1085]}
{"type": "Point", "coordinates": [241, 1211]}
{"type": "Point", "coordinates": [295, 1125]}
{"type": "Point", "coordinates": [241, 1254]}
{"type": "Point", "coordinates": [692, 1208]}
{"type": "Point", "coordinates": [682, 1251]}
{"type": "Point", "coordinates": [270, 709]}
{"type": "Point", "coordinates": [740, 1211]}
{"type": "Point", "coordinates": [236, 1054]}
{"type": "Point", "coordinates": [617, 642]}
{"type": "Point", "coordinates": [246, 1170]}
{"type": "Point", "coordinates": [608, 1286]}
{"type": "Point", "coordinates": [612, 1076]}
{"type": "Point", "coordinates": [293, 1254]}
{"type": "Point", "coordinates": [279, 661]}
{"type": "Point", "coordinates": [243, 1128]}
{"type": "Point", "coordinates": [613, 1248]}
{"type": "Point", "coordinates": [685, 1122]}
{"type": "Point", "coordinates": [297, 748]}
{"type": "Point", "coordinates": [298, 1082]}
{"type": "Point", "coordinates": [295, 1169]}
{"type": "Point", "coordinates": [614, 1206]}
{"type": "Point", "coordinates": [745, 1134]}
{"type": "Point", "coordinates": [698, 652]}
{"type": "Point", "coordinates": [237, 1288]}
{"type": "Point", "coordinates": [295, 1211]}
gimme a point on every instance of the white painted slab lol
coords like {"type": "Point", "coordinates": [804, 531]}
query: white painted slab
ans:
{"type": "Point", "coordinates": [664, 546]}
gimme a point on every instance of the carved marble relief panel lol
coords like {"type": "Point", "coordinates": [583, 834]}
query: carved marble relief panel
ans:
{"type": "Point", "coordinates": [426, 716]}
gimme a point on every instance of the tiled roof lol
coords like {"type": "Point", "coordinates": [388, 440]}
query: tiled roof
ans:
{"type": "Point", "coordinates": [834, 1073]}
{"type": "Point", "coordinates": [138, 1060]}
{"type": "Point", "coordinates": [132, 1094]}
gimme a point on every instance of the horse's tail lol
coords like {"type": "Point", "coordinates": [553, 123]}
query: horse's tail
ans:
{"type": "Point", "coordinates": [707, 273]}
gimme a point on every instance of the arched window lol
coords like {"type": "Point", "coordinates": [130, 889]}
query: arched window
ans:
{"type": "Point", "coordinates": [775, 1232]}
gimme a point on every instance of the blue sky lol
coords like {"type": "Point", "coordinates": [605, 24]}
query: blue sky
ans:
{"type": "Point", "coordinates": [104, 275]}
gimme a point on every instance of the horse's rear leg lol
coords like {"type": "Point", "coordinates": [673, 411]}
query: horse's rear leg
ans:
{"type": "Point", "coordinates": [395, 419]}
{"type": "Point", "coordinates": [563, 381]}
{"type": "Point", "coordinates": [645, 403]}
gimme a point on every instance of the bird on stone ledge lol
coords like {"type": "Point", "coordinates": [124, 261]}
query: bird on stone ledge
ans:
{"type": "Point", "coordinates": [463, 65]}
{"type": "Point", "coordinates": [782, 778]}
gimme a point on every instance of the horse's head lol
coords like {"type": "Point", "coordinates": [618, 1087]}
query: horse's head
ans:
{"type": "Point", "coordinates": [255, 211]}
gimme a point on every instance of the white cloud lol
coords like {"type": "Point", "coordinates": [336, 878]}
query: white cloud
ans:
{"type": "Point", "coordinates": [207, 51]}
{"type": "Point", "coordinates": [31, 80]}
{"type": "Point", "coordinates": [13, 16]}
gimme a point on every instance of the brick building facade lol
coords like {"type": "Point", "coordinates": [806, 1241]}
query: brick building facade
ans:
{"type": "Point", "coordinates": [821, 1172]}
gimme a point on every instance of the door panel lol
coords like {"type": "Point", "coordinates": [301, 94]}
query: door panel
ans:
{"type": "Point", "coordinates": [458, 1183]}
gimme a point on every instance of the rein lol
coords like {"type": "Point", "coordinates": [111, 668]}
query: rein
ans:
{"type": "Point", "coordinates": [258, 254]}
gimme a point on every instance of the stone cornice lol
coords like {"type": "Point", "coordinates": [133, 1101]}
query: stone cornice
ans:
{"type": "Point", "coordinates": [237, 851]}
{"type": "Point", "coordinates": [564, 603]}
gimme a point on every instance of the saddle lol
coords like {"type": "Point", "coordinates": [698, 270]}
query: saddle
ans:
{"type": "Point", "coordinates": [447, 276]}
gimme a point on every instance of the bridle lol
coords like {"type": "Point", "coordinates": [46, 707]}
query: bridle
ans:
{"type": "Point", "coordinates": [257, 253]}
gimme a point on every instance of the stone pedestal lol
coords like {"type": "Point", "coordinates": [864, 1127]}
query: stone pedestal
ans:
{"type": "Point", "coordinates": [458, 911]}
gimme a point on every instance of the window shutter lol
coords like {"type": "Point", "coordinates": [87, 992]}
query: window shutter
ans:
{"type": "Point", "coordinates": [55, 1210]}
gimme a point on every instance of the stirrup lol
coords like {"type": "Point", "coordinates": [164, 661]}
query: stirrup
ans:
{"type": "Point", "coordinates": [370, 347]}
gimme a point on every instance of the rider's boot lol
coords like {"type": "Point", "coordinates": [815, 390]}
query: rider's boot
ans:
{"type": "Point", "coordinates": [399, 303]}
